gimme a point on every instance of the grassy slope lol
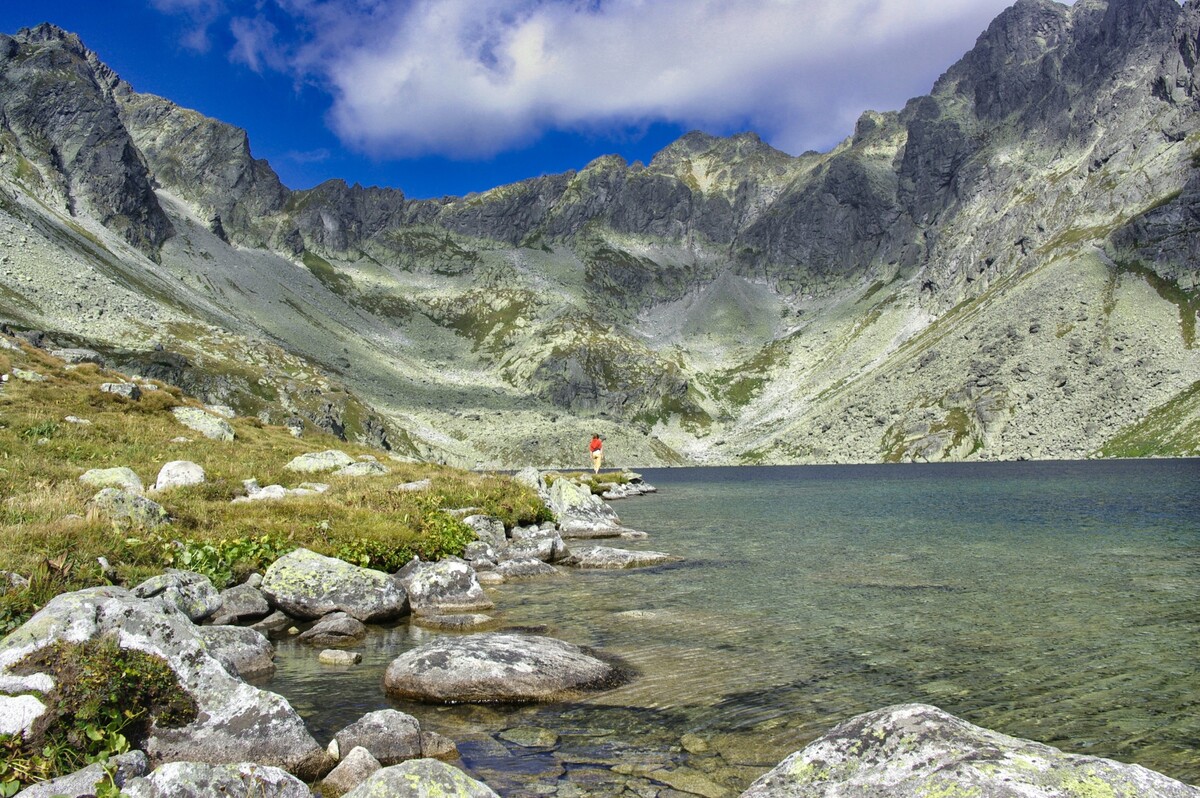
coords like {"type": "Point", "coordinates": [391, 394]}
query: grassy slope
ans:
{"type": "Point", "coordinates": [48, 534]}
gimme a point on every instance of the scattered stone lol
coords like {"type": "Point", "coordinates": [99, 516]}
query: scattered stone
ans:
{"type": "Point", "coordinates": [421, 778]}
{"type": "Point", "coordinates": [273, 623]}
{"type": "Point", "coordinates": [414, 487]}
{"type": "Point", "coordinates": [366, 468]}
{"type": "Point", "coordinates": [495, 667]}
{"type": "Point", "coordinates": [457, 622]}
{"type": "Point", "coordinates": [487, 529]}
{"type": "Point", "coordinates": [305, 584]}
{"type": "Point", "coordinates": [122, 478]}
{"type": "Point", "coordinates": [9, 579]}
{"type": "Point", "coordinates": [525, 568]}
{"type": "Point", "coordinates": [605, 557]}
{"type": "Point", "coordinates": [912, 750]}
{"type": "Point", "coordinates": [77, 356]}
{"type": "Point", "coordinates": [200, 780]}
{"type": "Point", "coordinates": [530, 736]}
{"type": "Point", "coordinates": [336, 629]}
{"type": "Point", "coordinates": [350, 772]}
{"type": "Point", "coordinates": [390, 735]}
{"type": "Point", "coordinates": [28, 376]}
{"type": "Point", "coordinates": [210, 426]}
{"type": "Point", "coordinates": [181, 439]}
{"type": "Point", "coordinates": [320, 461]}
{"type": "Point", "coordinates": [448, 585]}
{"type": "Point", "coordinates": [18, 713]}
{"type": "Point", "coordinates": [333, 656]}
{"type": "Point", "coordinates": [489, 578]}
{"type": "Point", "coordinates": [129, 510]}
{"type": "Point", "coordinates": [541, 544]}
{"type": "Point", "coordinates": [83, 422]}
{"type": "Point", "coordinates": [178, 474]}
{"type": "Point", "coordinates": [241, 603]}
{"type": "Point", "coordinates": [126, 390]}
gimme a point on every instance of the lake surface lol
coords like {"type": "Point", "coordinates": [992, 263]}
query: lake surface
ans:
{"type": "Point", "coordinates": [1057, 601]}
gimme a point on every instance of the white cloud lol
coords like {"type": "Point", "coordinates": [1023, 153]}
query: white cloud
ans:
{"type": "Point", "coordinates": [471, 78]}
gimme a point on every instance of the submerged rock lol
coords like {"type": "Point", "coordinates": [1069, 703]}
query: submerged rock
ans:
{"type": "Point", "coordinates": [335, 629]}
{"type": "Point", "coordinates": [495, 667]}
{"type": "Point", "coordinates": [606, 557]}
{"type": "Point", "coordinates": [916, 750]}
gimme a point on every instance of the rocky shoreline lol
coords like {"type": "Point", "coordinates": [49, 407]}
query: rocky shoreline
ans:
{"type": "Point", "coordinates": [243, 739]}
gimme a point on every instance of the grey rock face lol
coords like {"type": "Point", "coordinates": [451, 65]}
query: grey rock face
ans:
{"type": "Point", "coordinates": [305, 584]}
{"type": "Point", "coordinates": [79, 355]}
{"type": "Point", "coordinates": [919, 750]}
{"type": "Point", "coordinates": [201, 780]}
{"type": "Point", "coordinates": [245, 653]}
{"type": "Point", "coordinates": [390, 736]}
{"type": "Point", "coordinates": [191, 593]}
{"type": "Point", "coordinates": [421, 778]}
{"type": "Point", "coordinates": [335, 629]}
{"type": "Point", "coordinates": [495, 667]}
{"type": "Point", "coordinates": [447, 585]}
{"type": "Point", "coordinates": [235, 721]}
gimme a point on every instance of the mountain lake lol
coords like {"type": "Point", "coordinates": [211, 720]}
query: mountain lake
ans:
{"type": "Point", "coordinates": [1055, 601]}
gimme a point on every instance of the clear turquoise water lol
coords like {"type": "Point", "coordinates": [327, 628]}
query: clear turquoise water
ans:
{"type": "Point", "coordinates": [1054, 601]}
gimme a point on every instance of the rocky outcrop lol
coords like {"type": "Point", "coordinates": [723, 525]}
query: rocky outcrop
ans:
{"type": "Point", "coordinates": [208, 425]}
{"type": "Point", "coordinates": [580, 513]}
{"type": "Point", "coordinates": [496, 668]}
{"type": "Point", "coordinates": [305, 584]}
{"type": "Point", "coordinates": [919, 750]}
{"type": "Point", "coordinates": [421, 778]}
{"type": "Point", "coordinates": [235, 721]}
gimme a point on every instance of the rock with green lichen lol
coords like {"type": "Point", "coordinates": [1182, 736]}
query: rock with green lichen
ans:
{"type": "Point", "coordinates": [128, 510]}
{"type": "Point", "coordinates": [315, 462]}
{"type": "Point", "coordinates": [421, 778]}
{"type": "Point", "coordinates": [200, 780]}
{"type": "Point", "coordinates": [448, 585]}
{"type": "Point", "coordinates": [919, 751]}
{"type": "Point", "coordinates": [191, 592]}
{"type": "Point", "coordinates": [208, 425]}
{"type": "Point", "coordinates": [121, 478]}
{"type": "Point", "coordinates": [305, 584]}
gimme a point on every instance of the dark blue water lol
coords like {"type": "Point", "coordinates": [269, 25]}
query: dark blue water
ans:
{"type": "Point", "coordinates": [1054, 601]}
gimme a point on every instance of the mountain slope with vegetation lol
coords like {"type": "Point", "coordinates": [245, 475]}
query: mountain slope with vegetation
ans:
{"type": "Point", "coordinates": [1005, 268]}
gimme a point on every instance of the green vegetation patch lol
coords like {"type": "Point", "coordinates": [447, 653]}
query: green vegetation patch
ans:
{"type": "Point", "coordinates": [1170, 430]}
{"type": "Point", "coordinates": [337, 282]}
{"type": "Point", "coordinates": [104, 702]}
{"type": "Point", "coordinates": [1187, 302]}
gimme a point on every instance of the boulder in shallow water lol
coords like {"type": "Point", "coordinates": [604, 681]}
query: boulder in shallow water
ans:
{"type": "Point", "coordinates": [580, 513]}
{"type": "Point", "coordinates": [335, 630]}
{"type": "Point", "coordinates": [305, 584]}
{"type": "Point", "coordinates": [916, 751]}
{"type": "Point", "coordinates": [244, 652]}
{"type": "Point", "coordinates": [606, 557]}
{"type": "Point", "coordinates": [444, 586]}
{"type": "Point", "coordinates": [496, 667]}
{"type": "Point", "coordinates": [391, 736]}
{"type": "Point", "coordinates": [421, 778]}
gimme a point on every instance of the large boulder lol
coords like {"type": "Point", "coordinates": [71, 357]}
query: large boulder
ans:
{"type": "Point", "coordinates": [916, 750]}
{"type": "Point", "coordinates": [581, 514]}
{"type": "Point", "coordinates": [305, 584]}
{"type": "Point", "coordinates": [335, 629]}
{"type": "Point", "coordinates": [202, 780]}
{"type": "Point", "coordinates": [448, 585]}
{"type": "Point", "coordinates": [208, 425]}
{"type": "Point", "coordinates": [121, 478]}
{"type": "Point", "coordinates": [495, 667]}
{"type": "Point", "coordinates": [315, 462]}
{"type": "Point", "coordinates": [179, 474]}
{"type": "Point", "coordinates": [542, 544]}
{"type": "Point", "coordinates": [82, 783]}
{"type": "Point", "coordinates": [355, 768]}
{"type": "Point", "coordinates": [234, 721]}
{"type": "Point", "coordinates": [239, 604]}
{"type": "Point", "coordinates": [606, 557]}
{"type": "Point", "coordinates": [421, 778]}
{"type": "Point", "coordinates": [191, 592]}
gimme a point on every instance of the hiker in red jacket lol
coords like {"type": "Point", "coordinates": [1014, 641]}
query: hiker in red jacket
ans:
{"type": "Point", "coordinates": [596, 447]}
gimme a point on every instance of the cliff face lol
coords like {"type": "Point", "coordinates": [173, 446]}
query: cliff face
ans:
{"type": "Point", "coordinates": [1003, 268]}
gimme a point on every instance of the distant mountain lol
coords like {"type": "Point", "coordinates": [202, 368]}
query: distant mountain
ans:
{"type": "Point", "coordinates": [1006, 268]}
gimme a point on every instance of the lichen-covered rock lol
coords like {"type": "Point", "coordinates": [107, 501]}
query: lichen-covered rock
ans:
{"type": "Point", "coordinates": [447, 585]}
{"type": "Point", "coordinates": [315, 462]}
{"type": "Point", "coordinates": [525, 568]}
{"type": "Point", "coordinates": [129, 510]}
{"type": "Point", "coordinates": [391, 736]}
{"type": "Point", "coordinates": [488, 529]}
{"type": "Point", "coordinates": [239, 604]}
{"type": "Point", "coordinates": [234, 721]}
{"type": "Point", "coordinates": [121, 478]}
{"type": "Point", "coordinates": [421, 778]}
{"type": "Point", "coordinates": [125, 389]}
{"type": "Point", "coordinates": [208, 425]}
{"type": "Point", "coordinates": [335, 629]}
{"type": "Point", "coordinates": [78, 355]}
{"type": "Point", "coordinates": [916, 750]}
{"type": "Point", "coordinates": [355, 768]}
{"type": "Point", "coordinates": [191, 592]}
{"type": "Point", "coordinates": [82, 783]}
{"type": "Point", "coordinates": [606, 557]}
{"type": "Point", "coordinates": [581, 514]}
{"type": "Point", "coordinates": [201, 780]}
{"type": "Point", "coordinates": [244, 652]}
{"type": "Point", "coordinates": [542, 544]}
{"type": "Point", "coordinates": [368, 468]}
{"type": "Point", "coordinates": [305, 584]}
{"type": "Point", "coordinates": [179, 474]}
{"type": "Point", "coordinates": [495, 667]}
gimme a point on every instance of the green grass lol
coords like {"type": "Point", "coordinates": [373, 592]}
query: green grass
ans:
{"type": "Point", "coordinates": [331, 278]}
{"type": "Point", "coordinates": [1170, 430]}
{"type": "Point", "coordinates": [48, 534]}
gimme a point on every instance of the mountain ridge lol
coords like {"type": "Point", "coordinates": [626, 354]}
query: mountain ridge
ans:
{"type": "Point", "coordinates": [724, 303]}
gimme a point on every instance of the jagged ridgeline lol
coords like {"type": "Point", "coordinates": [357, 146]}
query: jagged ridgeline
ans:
{"type": "Point", "coordinates": [1005, 268]}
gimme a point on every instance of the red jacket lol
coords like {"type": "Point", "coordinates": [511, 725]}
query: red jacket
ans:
{"type": "Point", "coordinates": [595, 445]}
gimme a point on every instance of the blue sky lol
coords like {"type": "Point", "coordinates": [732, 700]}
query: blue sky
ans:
{"type": "Point", "coordinates": [439, 97]}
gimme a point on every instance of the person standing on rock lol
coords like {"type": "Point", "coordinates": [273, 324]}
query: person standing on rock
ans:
{"type": "Point", "coordinates": [596, 447]}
